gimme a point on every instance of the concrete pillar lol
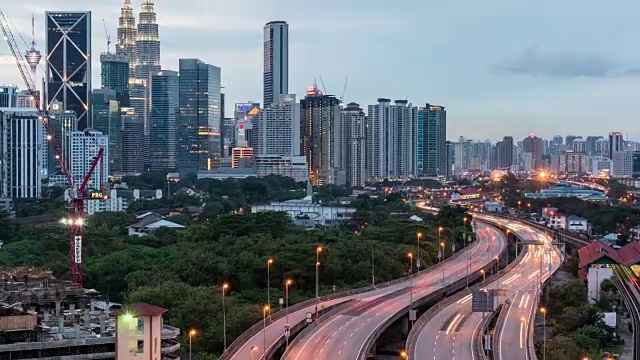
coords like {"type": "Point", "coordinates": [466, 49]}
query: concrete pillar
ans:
{"type": "Point", "coordinates": [60, 325]}
{"type": "Point", "coordinates": [103, 324]}
{"type": "Point", "coordinates": [86, 318]}
{"type": "Point", "coordinates": [58, 308]}
{"type": "Point", "coordinates": [72, 307]}
{"type": "Point", "coordinates": [46, 315]}
{"type": "Point", "coordinates": [93, 305]}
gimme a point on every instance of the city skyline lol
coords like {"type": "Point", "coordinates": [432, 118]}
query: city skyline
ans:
{"type": "Point", "coordinates": [523, 80]}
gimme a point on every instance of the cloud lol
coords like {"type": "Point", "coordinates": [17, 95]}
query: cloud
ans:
{"type": "Point", "coordinates": [564, 65]}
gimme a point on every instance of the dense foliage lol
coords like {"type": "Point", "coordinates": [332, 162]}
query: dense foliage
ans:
{"type": "Point", "coordinates": [183, 270]}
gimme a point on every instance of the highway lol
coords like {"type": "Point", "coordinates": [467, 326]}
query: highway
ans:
{"type": "Point", "coordinates": [345, 335]}
{"type": "Point", "coordinates": [450, 332]}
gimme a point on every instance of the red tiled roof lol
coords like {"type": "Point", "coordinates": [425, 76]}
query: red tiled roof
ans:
{"type": "Point", "coordinates": [142, 309]}
{"type": "Point", "coordinates": [630, 253]}
{"type": "Point", "coordinates": [469, 191]}
{"type": "Point", "coordinates": [595, 251]}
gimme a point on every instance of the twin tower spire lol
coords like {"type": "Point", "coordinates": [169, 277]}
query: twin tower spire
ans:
{"type": "Point", "coordinates": [140, 43]}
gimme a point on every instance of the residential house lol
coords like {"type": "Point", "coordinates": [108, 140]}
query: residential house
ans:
{"type": "Point", "coordinates": [576, 223]}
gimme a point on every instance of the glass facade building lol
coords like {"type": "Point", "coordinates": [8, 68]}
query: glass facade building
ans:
{"type": "Point", "coordinates": [163, 140]}
{"type": "Point", "coordinates": [68, 63]}
{"type": "Point", "coordinates": [106, 119]}
{"type": "Point", "coordinates": [276, 61]}
{"type": "Point", "coordinates": [199, 120]}
{"type": "Point", "coordinates": [114, 73]}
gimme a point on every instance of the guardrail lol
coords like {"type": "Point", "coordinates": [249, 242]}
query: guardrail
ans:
{"type": "Point", "coordinates": [440, 293]}
{"type": "Point", "coordinates": [239, 342]}
{"type": "Point", "coordinates": [631, 301]}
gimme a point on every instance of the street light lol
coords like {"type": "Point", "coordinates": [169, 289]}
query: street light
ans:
{"type": "Point", "coordinates": [269, 263]}
{"type": "Point", "coordinates": [265, 310]}
{"type": "Point", "coordinates": [418, 236]}
{"type": "Point", "coordinates": [404, 355]}
{"type": "Point", "coordinates": [287, 283]}
{"type": "Point", "coordinates": [253, 348]}
{"type": "Point", "coordinates": [442, 247]}
{"type": "Point", "coordinates": [410, 283]}
{"type": "Point", "coordinates": [192, 333]}
{"type": "Point", "coordinates": [318, 251]}
{"type": "Point", "coordinates": [544, 333]}
{"type": "Point", "coordinates": [225, 286]}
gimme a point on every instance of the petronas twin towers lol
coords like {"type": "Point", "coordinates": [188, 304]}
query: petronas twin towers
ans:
{"type": "Point", "coordinates": [141, 43]}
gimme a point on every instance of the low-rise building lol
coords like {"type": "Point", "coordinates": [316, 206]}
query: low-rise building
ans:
{"type": "Point", "coordinates": [150, 222]}
{"type": "Point", "coordinates": [557, 221]}
{"type": "Point", "coordinates": [635, 233]}
{"type": "Point", "coordinates": [117, 200]}
{"type": "Point", "coordinates": [576, 223]}
{"type": "Point", "coordinates": [306, 209]}
{"type": "Point", "coordinates": [493, 206]}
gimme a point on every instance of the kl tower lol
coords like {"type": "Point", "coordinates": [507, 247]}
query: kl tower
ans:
{"type": "Point", "coordinates": [33, 56]}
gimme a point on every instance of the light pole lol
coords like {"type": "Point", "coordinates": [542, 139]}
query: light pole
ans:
{"type": "Point", "coordinates": [265, 310]}
{"type": "Point", "coordinates": [253, 348]}
{"type": "Point", "coordinates": [418, 236]}
{"type": "Point", "coordinates": [464, 234]}
{"type": "Point", "coordinates": [544, 333]}
{"type": "Point", "coordinates": [442, 247]}
{"type": "Point", "coordinates": [440, 228]}
{"type": "Point", "coordinates": [269, 263]}
{"type": "Point", "coordinates": [286, 305]}
{"type": "Point", "coordinates": [410, 283]}
{"type": "Point", "coordinates": [529, 205]}
{"type": "Point", "coordinates": [404, 355]}
{"type": "Point", "coordinates": [225, 286]}
{"type": "Point", "coordinates": [373, 266]}
{"type": "Point", "coordinates": [318, 251]}
{"type": "Point", "coordinates": [192, 333]}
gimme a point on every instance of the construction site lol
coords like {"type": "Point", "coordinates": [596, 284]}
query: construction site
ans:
{"type": "Point", "coordinates": [42, 317]}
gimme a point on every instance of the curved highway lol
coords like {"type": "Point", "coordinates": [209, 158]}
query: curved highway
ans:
{"type": "Point", "coordinates": [450, 333]}
{"type": "Point", "coordinates": [345, 335]}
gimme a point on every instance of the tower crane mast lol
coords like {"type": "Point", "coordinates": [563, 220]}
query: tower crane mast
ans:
{"type": "Point", "coordinates": [77, 194]}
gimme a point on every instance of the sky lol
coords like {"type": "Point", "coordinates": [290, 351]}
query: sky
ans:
{"type": "Point", "coordinates": [501, 67]}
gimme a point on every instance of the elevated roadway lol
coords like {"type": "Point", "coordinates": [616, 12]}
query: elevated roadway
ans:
{"type": "Point", "coordinates": [450, 332]}
{"type": "Point", "coordinates": [349, 335]}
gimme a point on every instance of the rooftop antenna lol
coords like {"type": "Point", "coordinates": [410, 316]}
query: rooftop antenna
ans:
{"type": "Point", "coordinates": [106, 32]}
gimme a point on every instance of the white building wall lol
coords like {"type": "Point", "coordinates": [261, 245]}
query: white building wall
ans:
{"type": "Point", "coordinates": [595, 275]}
{"type": "Point", "coordinates": [84, 148]}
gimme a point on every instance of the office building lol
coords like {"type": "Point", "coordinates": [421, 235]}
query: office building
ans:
{"type": "Point", "coordinates": [21, 153]}
{"type": "Point", "coordinates": [276, 61]}
{"type": "Point", "coordinates": [24, 99]}
{"type": "Point", "coordinates": [8, 96]}
{"type": "Point", "coordinates": [504, 153]}
{"type": "Point", "coordinates": [616, 143]}
{"type": "Point", "coordinates": [622, 166]}
{"type": "Point", "coordinates": [241, 157]}
{"type": "Point", "coordinates": [601, 166]}
{"type": "Point", "coordinates": [114, 73]}
{"type": "Point", "coordinates": [147, 48]}
{"type": "Point", "coordinates": [85, 146]}
{"type": "Point", "coordinates": [635, 164]}
{"type": "Point", "coordinates": [163, 139]}
{"type": "Point", "coordinates": [68, 63]}
{"type": "Point", "coordinates": [434, 146]}
{"type": "Point", "coordinates": [127, 35]}
{"type": "Point", "coordinates": [199, 121]}
{"type": "Point", "coordinates": [353, 145]}
{"type": "Point", "coordinates": [294, 167]}
{"type": "Point", "coordinates": [319, 135]}
{"type": "Point", "coordinates": [132, 152]}
{"type": "Point", "coordinates": [61, 124]}
{"type": "Point", "coordinates": [532, 152]}
{"type": "Point", "coordinates": [277, 130]}
{"type": "Point", "coordinates": [244, 116]}
{"type": "Point", "coordinates": [106, 119]}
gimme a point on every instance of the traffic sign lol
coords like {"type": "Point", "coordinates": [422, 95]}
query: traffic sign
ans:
{"type": "Point", "coordinates": [412, 315]}
{"type": "Point", "coordinates": [281, 301]}
{"type": "Point", "coordinates": [287, 331]}
{"type": "Point", "coordinates": [309, 317]}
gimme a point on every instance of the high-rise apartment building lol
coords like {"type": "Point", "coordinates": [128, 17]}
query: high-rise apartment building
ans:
{"type": "Point", "coordinates": [319, 135]}
{"type": "Point", "coordinates": [106, 119]}
{"type": "Point", "coordinates": [85, 146]}
{"type": "Point", "coordinates": [132, 152]}
{"type": "Point", "coordinates": [276, 61]}
{"type": "Point", "coordinates": [392, 140]}
{"type": "Point", "coordinates": [199, 121]}
{"type": "Point", "coordinates": [591, 144]}
{"type": "Point", "coordinates": [165, 109]}
{"type": "Point", "coordinates": [21, 153]}
{"type": "Point", "coordinates": [8, 96]}
{"type": "Point", "coordinates": [277, 130]}
{"type": "Point", "coordinates": [504, 153]}
{"type": "Point", "coordinates": [127, 35]}
{"type": "Point", "coordinates": [114, 73]}
{"type": "Point", "coordinates": [435, 151]}
{"type": "Point", "coordinates": [635, 164]}
{"type": "Point", "coordinates": [68, 63]}
{"type": "Point", "coordinates": [353, 145]}
{"type": "Point", "coordinates": [532, 152]}
{"type": "Point", "coordinates": [573, 162]}
{"type": "Point", "coordinates": [579, 145]}
{"type": "Point", "coordinates": [622, 166]}
{"type": "Point", "coordinates": [602, 147]}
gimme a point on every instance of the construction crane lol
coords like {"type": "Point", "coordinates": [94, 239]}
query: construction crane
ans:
{"type": "Point", "coordinates": [78, 194]}
{"type": "Point", "coordinates": [106, 32]}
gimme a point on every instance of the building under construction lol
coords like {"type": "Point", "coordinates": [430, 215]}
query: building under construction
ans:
{"type": "Point", "coordinates": [42, 317]}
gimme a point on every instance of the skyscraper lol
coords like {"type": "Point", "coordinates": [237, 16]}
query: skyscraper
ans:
{"type": "Point", "coordinates": [114, 73]}
{"type": "Point", "coordinates": [21, 153]}
{"type": "Point", "coordinates": [9, 96]}
{"type": "Point", "coordinates": [504, 152]}
{"type": "Point", "coordinates": [352, 145]}
{"type": "Point", "coordinates": [127, 35]}
{"type": "Point", "coordinates": [132, 152]}
{"type": "Point", "coordinates": [85, 146]}
{"type": "Point", "coordinates": [532, 149]}
{"type": "Point", "coordinates": [244, 118]}
{"type": "Point", "coordinates": [147, 53]}
{"type": "Point", "coordinates": [319, 135]}
{"type": "Point", "coordinates": [199, 120]}
{"type": "Point", "coordinates": [277, 130]}
{"type": "Point", "coordinates": [106, 119]}
{"type": "Point", "coordinates": [616, 143]}
{"type": "Point", "coordinates": [276, 61]}
{"type": "Point", "coordinates": [33, 55]}
{"type": "Point", "coordinates": [68, 63]}
{"type": "Point", "coordinates": [163, 140]}
{"type": "Point", "coordinates": [435, 151]}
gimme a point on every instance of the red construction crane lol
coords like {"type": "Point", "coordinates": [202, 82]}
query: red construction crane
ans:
{"type": "Point", "coordinates": [78, 194]}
